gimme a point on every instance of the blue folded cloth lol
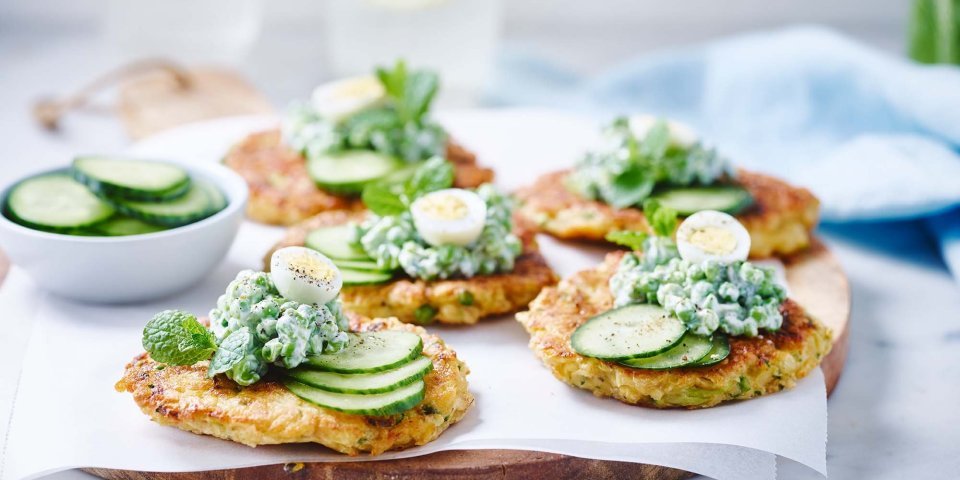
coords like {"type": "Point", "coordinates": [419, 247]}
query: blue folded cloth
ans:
{"type": "Point", "coordinates": [873, 135]}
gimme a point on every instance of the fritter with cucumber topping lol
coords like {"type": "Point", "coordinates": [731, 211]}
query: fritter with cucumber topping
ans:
{"type": "Point", "coordinates": [430, 253]}
{"type": "Point", "coordinates": [352, 132]}
{"type": "Point", "coordinates": [678, 326]}
{"type": "Point", "coordinates": [641, 158]}
{"type": "Point", "coordinates": [281, 363]}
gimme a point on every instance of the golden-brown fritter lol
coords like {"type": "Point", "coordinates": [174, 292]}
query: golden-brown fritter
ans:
{"type": "Point", "coordinates": [282, 193]}
{"type": "Point", "coordinates": [488, 294]}
{"type": "Point", "coordinates": [756, 366]}
{"type": "Point", "coordinates": [780, 220]}
{"type": "Point", "coordinates": [267, 413]}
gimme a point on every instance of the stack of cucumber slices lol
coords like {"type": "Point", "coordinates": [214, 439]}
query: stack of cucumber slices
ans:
{"type": "Point", "coordinates": [347, 173]}
{"type": "Point", "coordinates": [110, 196]}
{"type": "Point", "coordinates": [376, 373]}
{"type": "Point", "coordinates": [356, 267]}
{"type": "Point", "coordinates": [647, 337]}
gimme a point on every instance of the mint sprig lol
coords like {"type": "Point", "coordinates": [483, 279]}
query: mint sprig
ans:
{"type": "Point", "coordinates": [388, 199]}
{"type": "Point", "coordinates": [177, 338]}
{"type": "Point", "coordinates": [232, 351]}
{"type": "Point", "coordinates": [662, 220]}
{"type": "Point", "coordinates": [412, 92]}
{"type": "Point", "coordinates": [627, 238]}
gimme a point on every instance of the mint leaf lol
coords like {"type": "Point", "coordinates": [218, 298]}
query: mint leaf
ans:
{"type": "Point", "coordinates": [629, 188]}
{"type": "Point", "coordinates": [627, 238]}
{"type": "Point", "coordinates": [177, 338]}
{"type": "Point", "coordinates": [655, 144]}
{"type": "Point", "coordinates": [394, 81]}
{"type": "Point", "coordinates": [420, 88]}
{"type": "Point", "coordinates": [435, 174]}
{"type": "Point", "coordinates": [232, 351]}
{"type": "Point", "coordinates": [663, 220]}
{"type": "Point", "coordinates": [387, 199]}
{"type": "Point", "coordinates": [412, 92]}
{"type": "Point", "coordinates": [384, 199]}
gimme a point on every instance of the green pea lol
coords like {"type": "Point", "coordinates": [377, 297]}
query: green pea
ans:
{"type": "Point", "coordinates": [465, 298]}
{"type": "Point", "coordinates": [425, 314]}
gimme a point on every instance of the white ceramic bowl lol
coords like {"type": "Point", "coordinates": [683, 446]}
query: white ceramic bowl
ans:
{"type": "Point", "coordinates": [130, 268]}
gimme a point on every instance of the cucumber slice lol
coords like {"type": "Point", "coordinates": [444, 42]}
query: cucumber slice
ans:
{"type": "Point", "coordinates": [336, 242]}
{"type": "Point", "coordinates": [201, 201]}
{"type": "Point", "coordinates": [131, 179]}
{"type": "Point", "coordinates": [120, 225]}
{"type": "Point", "coordinates": [55, 202]}
{"type": "Point", "coordinates": [362, 265]}
{"type": "Point", "coordinates": [719, 351]}
{"type": "Point", "coordinates": [689, 351]}
{"type": "Point", "coordinates": [369, 352]}
{"type": "Point", "coordinates": [348, 172]}
{"type": "Point", "coordinates": [376, 404]}
{"type": "Point", "coordinates": [686, 201]}
{"type": "Point", "coordinates": [632, 331]}
{"type": "Point", "coordinates": [360, 277]}
{"type": "Point", "coordinates": [364, 383]}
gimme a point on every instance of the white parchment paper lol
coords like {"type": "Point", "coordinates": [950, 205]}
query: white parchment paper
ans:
{"type": "Point", "coordinates": [67, 414]}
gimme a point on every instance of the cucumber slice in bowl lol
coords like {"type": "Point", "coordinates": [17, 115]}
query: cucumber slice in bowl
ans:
{"type": "Point", "coordinates": [364, 383]}
{"type": "Point", "coordinates": [201, 201]}
{"type": "Point", "coordinates": [377, 404]}
{"type": "Point", "coordinates": [119, 225]}
{"type": "Point", "coordinates": [632, 331]}
{"type": "Point", "coordinates": [335, 242]}
{"type": "Point", "coordinates": [719, 351]}
{"type": "Point", "coordinates": [689, 351]}
{"type": "Point", "coordinates": [354, 278]}
{"type": "Point", "coordinates": [348, 172]}
{"type": "Point", "coordinates": [131, 179]}
{"type": "Point", "coordinates": [369, 352]}
{"type": "Point", "coordinates": [55, 202]}
{"type": "Point", "coordinates": [731, 199]}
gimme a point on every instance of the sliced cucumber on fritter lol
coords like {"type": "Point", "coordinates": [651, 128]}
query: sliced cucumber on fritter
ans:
{"type": "Point", "coordinates": [369, 352]}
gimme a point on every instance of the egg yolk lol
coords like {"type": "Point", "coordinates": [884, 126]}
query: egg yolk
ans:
{"type": "Point", "coordinates": [311, 268]}
{"type": "Point", "coordinates": [358, 87]}
{"type": "Point", "coordinates": [443, 207]}
{"type": "Point", "coordinates": [714, 240]}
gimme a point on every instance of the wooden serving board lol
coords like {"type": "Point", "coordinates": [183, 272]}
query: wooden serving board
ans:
{"type": "Point", "coordinates": [816, 281]}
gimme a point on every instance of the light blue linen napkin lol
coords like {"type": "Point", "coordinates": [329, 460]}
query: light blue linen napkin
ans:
{"type": "Point", "coordinates": [875, 136]}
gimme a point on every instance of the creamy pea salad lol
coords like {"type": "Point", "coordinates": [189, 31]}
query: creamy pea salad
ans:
{"type": "Point", "coordinates": [365, 129]}
{"type": "Point", "coordinates": [676, 302]}
{"type": "Point", "coordinates": [289, 324]}
{"type": "Point", "coordinates": [641, 157]}
{"type": "Point", "coordinates": [425, 230]}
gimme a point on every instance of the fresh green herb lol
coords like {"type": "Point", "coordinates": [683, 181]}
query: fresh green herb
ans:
{"type": "Point", "coordinates": [177, 338]}
{"type": "Point", "coordinates": [384, 199]}
{"type": "Point", "coordinates": [627, 238]}
{"type": "Point", "coordinates": [391, 199]}
{"type": "Point", "coordinates": [424, 314]}
{"type": "Point", "coordinates": [232, 351]}
{"type": "Point", "coordinates": [412, 91]}
{"type": "Point", "coordinates": [663, 220]}
{"type": "Point", "coordinates": [465, 298]}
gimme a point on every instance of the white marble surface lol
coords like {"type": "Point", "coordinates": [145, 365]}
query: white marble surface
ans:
{"type": "Point", "coordinates": [893, 415]}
